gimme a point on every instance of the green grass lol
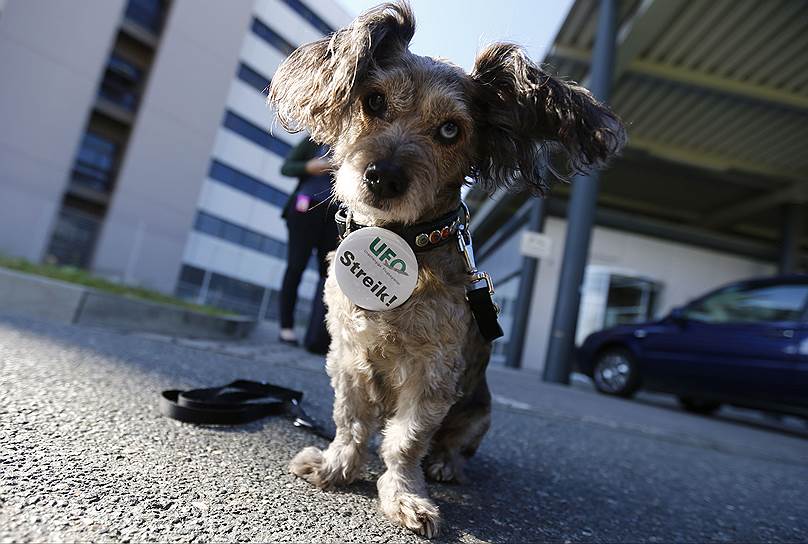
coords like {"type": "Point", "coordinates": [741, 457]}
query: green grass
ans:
{"type": "Point", "coordinates": [82, 277]}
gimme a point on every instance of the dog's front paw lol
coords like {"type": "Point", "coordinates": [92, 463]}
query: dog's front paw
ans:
{"type": "Point", "coordinates": [308, 464]}
{"type": "Point", "coordinates": [416, 513]}
{"type": "Point", "coordinates": [326, 469]}
{"type": "Point", "coordinates": [445, 467]}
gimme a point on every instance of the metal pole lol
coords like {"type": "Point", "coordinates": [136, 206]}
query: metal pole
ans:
{"type": "Point", "coordinates": [581, 216]}
{"type": "Point", "coordinates": [527, 279]}
{"type": "Point", "coordinates": [202, 296]}
{"type": "Point", "coordinates": [262, 308]}
{"type": "Point", "coordinates": [790, 238]}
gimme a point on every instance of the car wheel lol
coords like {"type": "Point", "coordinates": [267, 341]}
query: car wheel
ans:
{"type": "Point", "coordinates": [699, 406]}
{"type": "Point", "coordinates": [616, 373]}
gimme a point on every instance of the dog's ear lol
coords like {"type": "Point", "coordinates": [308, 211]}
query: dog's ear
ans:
{"type": "Point", "coordinates": [315, 86]}
{"type": "Point", "coordinates": [524, 116]}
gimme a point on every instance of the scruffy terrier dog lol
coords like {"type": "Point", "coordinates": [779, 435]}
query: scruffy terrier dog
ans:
{"type": "Point", "coordinates": [407, 132]}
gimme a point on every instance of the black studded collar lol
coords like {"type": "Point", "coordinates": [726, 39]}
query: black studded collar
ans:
{"type": "Point", "coordinates": [420, 236]}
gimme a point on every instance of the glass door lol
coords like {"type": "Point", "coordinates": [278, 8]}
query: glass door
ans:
{"type": "Point", "coordinates": [612, 297]}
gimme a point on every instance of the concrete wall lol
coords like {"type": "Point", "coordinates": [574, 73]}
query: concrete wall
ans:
{"type": "Point", "coordinates": [39, 298]}
{"type": "Point", "coordinates": [684, 271]}
{"type": "Point", "coordinates": [51, 58]}
{"type": "Point", "coordinates": [154, 204]}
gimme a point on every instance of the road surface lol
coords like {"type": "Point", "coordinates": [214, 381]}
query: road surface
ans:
{"type": "Point", "coordinates": [85, 455]}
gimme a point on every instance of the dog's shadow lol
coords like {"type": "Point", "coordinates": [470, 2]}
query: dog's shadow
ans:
{"type": "Point", "coordinates": [501, 501]}
{"type": "Point", "coordinates": [489, 507]}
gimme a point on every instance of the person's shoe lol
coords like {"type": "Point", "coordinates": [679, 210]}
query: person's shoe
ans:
{"type": "Point", "coordinates": [288, 337]}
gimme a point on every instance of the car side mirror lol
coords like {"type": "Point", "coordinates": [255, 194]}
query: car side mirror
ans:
{"type": "Point", "coordinates": [679, 316]}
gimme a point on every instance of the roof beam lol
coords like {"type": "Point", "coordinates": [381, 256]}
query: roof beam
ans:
{"type": "Point", "coordinates": [674, 231]}
{"type": "Point", "coordinates": [734, 177]}
{"type": "Point", "coordinates": [698, 80]}
{"type": "Point", "coordinates": [652, 17]}
{"type": "Point", "coordinates": [722, 85]}
{"type": "Point", "coordinates": [732, 214]}
{"type": "Point", "coordinates": [570, 53]}
{"type": "Point", "coordinates": [708, 161]}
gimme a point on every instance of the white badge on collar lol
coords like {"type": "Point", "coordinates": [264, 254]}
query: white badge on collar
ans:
{"type": "Point", "coordinates": [376, 268]}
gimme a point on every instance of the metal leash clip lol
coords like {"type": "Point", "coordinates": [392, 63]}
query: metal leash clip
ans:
{"type": "Point", "coordinates": [348, 221]}
{"type": "Point", "coordinates": [464, 245]}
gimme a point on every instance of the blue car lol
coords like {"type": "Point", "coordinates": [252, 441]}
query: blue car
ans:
{"type": "Point", "coordinates": [745, 344]}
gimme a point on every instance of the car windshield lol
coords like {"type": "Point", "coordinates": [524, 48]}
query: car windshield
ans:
{"type": "Point", "coordinates": [745, 304]}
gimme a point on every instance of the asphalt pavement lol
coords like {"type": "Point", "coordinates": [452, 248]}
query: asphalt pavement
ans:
{"type": "Point", "coordinates": [86, 456]}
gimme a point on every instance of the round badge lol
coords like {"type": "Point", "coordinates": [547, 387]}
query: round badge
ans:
{"type": "Point", "coordinates": [376, 268]}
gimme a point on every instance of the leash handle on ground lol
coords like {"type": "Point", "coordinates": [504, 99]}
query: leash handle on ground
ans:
{"type": "Point", "coordinates": [238, 402]}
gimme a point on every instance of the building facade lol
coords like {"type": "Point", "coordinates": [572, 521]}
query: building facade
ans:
{"type": "Point", "coordinates": [136, 141]}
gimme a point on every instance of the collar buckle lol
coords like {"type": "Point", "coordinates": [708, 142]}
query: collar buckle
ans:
{"type": "Point", "coordinates": [482, 277]}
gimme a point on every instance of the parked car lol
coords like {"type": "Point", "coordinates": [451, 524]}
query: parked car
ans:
{"type": "Point", "coordinates": [745, 344]}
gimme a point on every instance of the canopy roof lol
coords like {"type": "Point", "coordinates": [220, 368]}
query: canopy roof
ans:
{"type": "Point", "coordinates": [715, 98]}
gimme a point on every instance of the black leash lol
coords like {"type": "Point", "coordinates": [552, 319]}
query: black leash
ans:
{"type": "Point", "coordinates": [237, 402]}
{"type": "Point", "coordinates": [485, 312]}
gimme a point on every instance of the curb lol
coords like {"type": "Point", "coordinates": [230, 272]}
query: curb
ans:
{"type": "Point", "coordinates": [37, 297]}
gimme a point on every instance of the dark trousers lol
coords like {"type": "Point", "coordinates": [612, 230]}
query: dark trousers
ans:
{"type": "Point", "coordinates": [312, 230]}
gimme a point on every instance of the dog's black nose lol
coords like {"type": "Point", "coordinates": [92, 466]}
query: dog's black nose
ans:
{"type": "Point", "coordinates": [385, 179]}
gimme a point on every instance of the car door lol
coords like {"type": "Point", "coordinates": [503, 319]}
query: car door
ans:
{"type": "Point", "coordinates": [742, 342]}
{"type": "Point", "coordinates": [795, 390]}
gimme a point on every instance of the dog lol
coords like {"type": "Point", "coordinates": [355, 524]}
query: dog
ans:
{"type": "Point", "coordinates": [407, 133]}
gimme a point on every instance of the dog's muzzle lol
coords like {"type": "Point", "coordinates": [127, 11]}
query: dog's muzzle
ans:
{"type": "Point", "coordinates": [385, 179]}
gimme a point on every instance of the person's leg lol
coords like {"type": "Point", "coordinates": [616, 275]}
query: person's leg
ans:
{"type": "Point", "coordinates": [299, 247]}
{"type": "Point", "coordinates": [317, 338]}
{"type": "Point", "coordinates": [328, 237]}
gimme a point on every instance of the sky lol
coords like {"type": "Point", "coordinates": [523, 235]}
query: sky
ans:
{"type": "Point", "coordinates": [457, 29]}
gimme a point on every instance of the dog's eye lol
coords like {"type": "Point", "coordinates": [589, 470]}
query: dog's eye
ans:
{"type": "Point", "coordinates": [448, 132]}
{"type": "Point", "coordinates": [375, 103]}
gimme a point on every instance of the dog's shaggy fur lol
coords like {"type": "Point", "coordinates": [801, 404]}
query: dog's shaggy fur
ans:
{"type": "Point", "coordinates": [417, 372]}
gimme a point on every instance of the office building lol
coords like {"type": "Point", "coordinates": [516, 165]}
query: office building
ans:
{"type": "Point", "coordinates": [136, 141]}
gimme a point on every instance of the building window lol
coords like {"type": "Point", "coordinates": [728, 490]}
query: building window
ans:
{"type": "Point", "coordinates": [612, 297]}
{"type": "Point", "coordinates": [239, 180]}
{"type": "Point", "coordinates": [253, 79]}
{"type": "Point", "coordinates": [271, 37]}
{"type": "Point", "coordinates": [207, 224]}
{"type": "Point", "coordinates": [312, 18]}
{"type": "Point", "coordinates": [236, 234]}
{"type": "Point", "coordinates": [236, 295]}
{"type": "Point", "coordinates": [121, 83]}
{"type": "Point", "coordinates": [147, 13]}
{"type": "Point", "coordinates": [256, 134]}
{"type": "Point", "coordinates": [190, 282]}
{"type": "Point", "coordinates": [95, 162]}
{"type": "Point", "coordinates": [73, 238]}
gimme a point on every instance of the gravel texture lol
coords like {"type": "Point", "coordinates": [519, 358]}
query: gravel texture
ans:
{"type": "Point", "coordinates": [85, 455]}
